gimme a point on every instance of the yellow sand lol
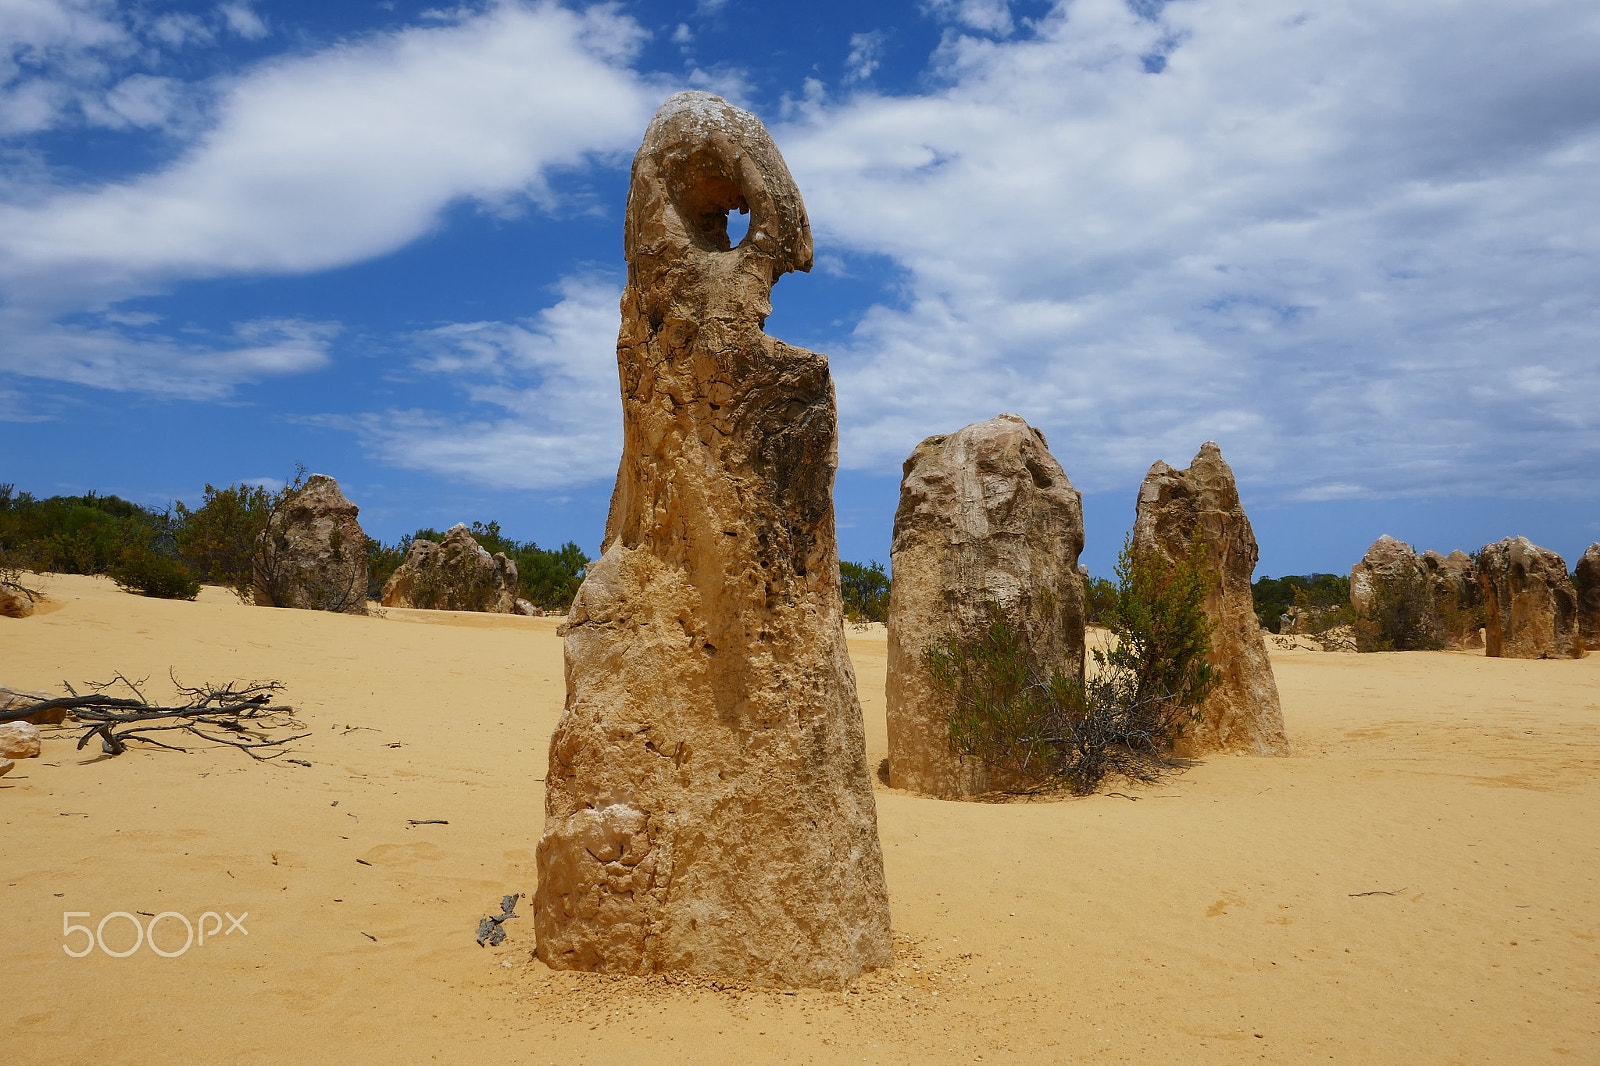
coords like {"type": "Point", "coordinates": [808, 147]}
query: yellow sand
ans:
{"type": "Point", "coordinates": [1215, 919]}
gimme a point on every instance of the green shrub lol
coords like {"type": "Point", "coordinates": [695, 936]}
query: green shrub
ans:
{"type": "Point", "coordinates": [865, 590]}
{"type": "Point", "coordinates": [382, 561]}
{"type": "Point", "coordinates": [1012, 711]}
{"type": "Point", "coordinates": [150, 574]}
{"type": "Point", "coordinates": [1099, 598]}
{"type": "Point", "coordinates": [219, 539]}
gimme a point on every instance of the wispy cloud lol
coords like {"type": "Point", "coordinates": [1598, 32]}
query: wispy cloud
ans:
{"type": "Point", "coordinates": [543, 406]}
{"type": "Point", "coordinates": [313, 162]}
{"type": "Point", "coordinates": [1356, 245]}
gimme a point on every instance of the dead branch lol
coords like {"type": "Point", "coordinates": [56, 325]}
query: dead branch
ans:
{"type": "Point", "coordinates": [239, 714]}
{"type": "Point", "coordinates": [490, 930]}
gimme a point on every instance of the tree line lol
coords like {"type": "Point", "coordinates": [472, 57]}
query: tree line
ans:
{"type": "Point", "coordinates": [170, 552]}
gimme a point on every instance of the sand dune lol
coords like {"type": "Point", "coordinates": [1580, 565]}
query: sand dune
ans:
{"type": "Point", "coordinates": [1214, 919]}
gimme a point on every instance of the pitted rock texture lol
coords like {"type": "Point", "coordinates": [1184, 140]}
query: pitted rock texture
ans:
{"type": "Point", "coordinates": [1586, 583]}
{"type": "Point", "coordinates": [1242, 715]}
{"type": "Point", "coordinates": [1530, 607]}
{"type": "Point", "coordinates": [986, 516]}
{"type": "Point", "coordinates": [708, 805]}
{"type": "Point", "coordinates": [455, 574]}
{"type": "Point", "coordinates": [1454, 597]}
{"type": "Point", "coordinates": [314, 554]}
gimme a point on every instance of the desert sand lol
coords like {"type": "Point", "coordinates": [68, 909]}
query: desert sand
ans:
{"type": "Point", "coordinates": [1216, 918]}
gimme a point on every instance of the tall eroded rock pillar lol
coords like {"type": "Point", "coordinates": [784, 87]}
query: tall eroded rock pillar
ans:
{"type": "Point", "coordinates": [708, 805]}
{"type": "Point", "coordinates": [986, 516]}
{"type": "Point", "coordinates": [1530, 607]}
{"type": "Point", "coordinates": [1242, 715]}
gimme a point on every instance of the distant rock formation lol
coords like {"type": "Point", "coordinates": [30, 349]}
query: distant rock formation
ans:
{"type": "Point", "coordinates": [455, 574]}
{"type": "Point", "coordinates": [1388, 561]}
{"type": "Point", "coordinates": [1530, 607]}
{"type": "Point", "coordinates": [986, 516]}
{"type": "Point", "coordinates": [1299, 621]}
{"type": "Point", "coordinates": [1242, 715]}
{"type": "Point", "coordinates": [1586, 582]}
{"type": "Point", "coordinates": [1454, 599]}
{"type": "Point", "coordinates": [708, 804]}
{"type": "Point", "coordinates": [314, 554]}
{"type": "Point", "coordinates": [1416, 602]}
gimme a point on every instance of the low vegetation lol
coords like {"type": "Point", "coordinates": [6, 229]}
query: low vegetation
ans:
{"type": "Point", "coordinates": [1011, 710]}
{"type": "Point", "coordinates": [91, 534]}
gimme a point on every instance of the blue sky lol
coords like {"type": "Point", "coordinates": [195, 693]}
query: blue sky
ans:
{"type": "Point", "coordinates": [1355, 242]}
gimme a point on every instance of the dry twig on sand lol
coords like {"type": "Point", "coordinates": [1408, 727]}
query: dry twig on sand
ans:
{"type": "Point", "coordinates": [238, 714]}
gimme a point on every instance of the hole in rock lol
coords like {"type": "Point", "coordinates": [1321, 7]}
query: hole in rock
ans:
{"type": "Point", "coordinates": [738, 226]}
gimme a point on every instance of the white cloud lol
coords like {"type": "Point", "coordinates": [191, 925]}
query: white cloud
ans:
{"type": "Point", "coordinates": [547, 387]}
{"type": "Point", "coordinates": [866, 52]}
{"type": "Point", "coordinates": [314, 162]}
{"type": "Point", "coordinates": [332, 158]}
{"type": "Point", "coordinates": [109, 357]}
{"type": "Point", "coordinates": [985, 16]}
{"type": "Point", "coordinates": [242, 20]}
{"type": "Point", "coordinates": [1356, 243]}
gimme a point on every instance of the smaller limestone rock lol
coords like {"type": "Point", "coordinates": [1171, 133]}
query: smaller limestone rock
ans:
{"type": "Point", "coordinates": [1586, 583]}
{"type": "Point", "coordinates": [6, 766]}
{"type": "Point", "coordinates": [1530, 607]}
{"type": "Point", "coordinates": [315, 554]}
{"type": "Point", "coordinates": [15, 604]}
{"type": "Point", "coordinates": [528, 609]}
{"type": "Point", "coordinates": [12, 700]}
{"type": "Point", "coordinates": [455, 574]}
{"type": "Point", "coordinates": [19, 740]}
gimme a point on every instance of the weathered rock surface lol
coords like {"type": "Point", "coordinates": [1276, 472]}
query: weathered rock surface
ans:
{"type": "Point", "coordinates": [708, 804]}
{"type": "Point", "coordinates": [455, 574]}
{"type": "Point", "coordinates": [19, 740]}
{"type": "Point", "coordinates": [1454, 597]}
{"type": "Point", "coordinates": [1530, 607]}
{"type": "Point", "coordinates": [14, 700]}
{"type": "Point", "coordinates": [1388, 560]}
{"type": "Point", "coordinates": [1242, 714]}
{"type": "Point", "coordinates": [986, 516]}
{"type": "Point", "coordinates": [1586, 583]}
{"type": "Point", "coordinates": [315, 555]}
